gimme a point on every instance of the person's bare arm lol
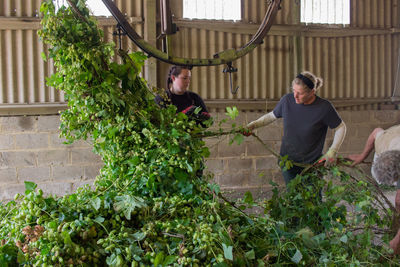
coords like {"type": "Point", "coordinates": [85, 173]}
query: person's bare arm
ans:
{"type": "Point", "coordinates": [397, 200]}
{"type": "Point", "coordinates": [369, 146]}
{"type": "Point", "coordinates": [395, 243]}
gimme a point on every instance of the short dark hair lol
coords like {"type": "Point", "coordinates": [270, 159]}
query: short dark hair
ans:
{"type": "Point", "coordinates": [386, 167]}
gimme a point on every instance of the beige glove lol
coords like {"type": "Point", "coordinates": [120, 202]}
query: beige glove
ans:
{"type": "Point", "coordinates": [331, 155]}
{"type": "Point", "coordinates": [262, 121]}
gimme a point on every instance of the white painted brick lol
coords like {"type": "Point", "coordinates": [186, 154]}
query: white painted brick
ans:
{"type": "Point", "coordinates": [34, 174]}
{"type": "Point", "coordinates": [17, 159]}
{"type": "Point", "coordinates": [54, 157]}
{"type": "Point", "coordinates": [7, 142]}
{"type": "Point", "coordinates": [18, 124]}
{"type": "Point", "coordinates": [84, 156]}
{"type": "Point", "coordinates": [8, 176]}
{"type": "Point", "coordinates": [32, 141]}
{"type": "Point", "coordinates": [48, 123]}
{"type": "Point", "coordinates": [68, 173]}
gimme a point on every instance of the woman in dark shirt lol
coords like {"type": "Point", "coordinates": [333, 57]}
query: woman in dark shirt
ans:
{"type": "Point", "coordinates": [178, 82]}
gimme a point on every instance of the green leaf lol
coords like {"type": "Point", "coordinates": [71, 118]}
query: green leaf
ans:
{"type": "Point", "coordinates": [67, 238]}
{"type": "Point", "coordinates": [127, 204]}
{"type": "Point", "coordinates": [228, 254]}
{"type": "Point", "coordinates": [159, 259]}
{"type": "Point", "coordinates": [29, 187]}
{"type": "Point", "coordinates": [43, 56]}
{"type": "Point", "coordinates": [99, 219]}
{"type": "Point", "coordinates": [344, 239]}
{"type": "Point", "coordinates": [96, 203]}
{"type": "Point", "coordinates": [232, 112]}
{"type": "Point", "coordinates": [248, 198]}
{"type": "Point", "coordinates": [169, 260]}
{"type": "Point", "coordinates": [139, 236]}
{"type": "Point", "coordinates": [297, 257]}
{"type": "Point", "coordinates": [250, 255]}
{"type": "Point", "coordinates": [238, 138]}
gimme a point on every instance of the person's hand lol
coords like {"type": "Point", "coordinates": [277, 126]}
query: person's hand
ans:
{"type": "Point", "coordinates": [246, 132]}
{"type": "Point", "coordinates": [329, 158]}
{"type": "Point", "coordinates": [204, 116]}
{"type": "Point", "coordinates": [356, 158]}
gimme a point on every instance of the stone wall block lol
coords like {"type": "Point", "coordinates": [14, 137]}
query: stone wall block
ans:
{"type": "Point", "coordinates": [7, 192]}
{"type": "Point", "coordinates": [48, 123]}
{"type": "Point", "coordinates": [235, 165]}
{"type": "Point", "coordinates": [360, 117]}
{"type": "Point", "coordinates": [91, 172]}
{"type": "Point", "coordinates": [32, 141]}
{"type": "Point", "coordinates": [17, 159]}
{"type": "Point", "coordinates": [85, 156]}
{"type": "Point", "coordinates": [345, 115]}
{"type": "Point", "coordinates": [8, 176]}
{"type": "Point", "coordinates": [34, 174]}
{"type": "Point", "coordinates": [258, 149]}
{"type": "Point", "coordinates": [54, 157]}
{"type": "Point", "coordinates": [238, 179]}
{"type": "Point", "coordinates": [58, 189]}
{"type": "Point", "coordinates": [7, 142]}
{"type": "Point", "coordinates": [267, 163]}
{"type": "Point", "coordinates": [18, 124]}
{"type": "Point", "coordinates": [212, 145]}
{"type": "Point", "coordinates": [58, 142]}
{"type": "Point", "coordinates": [387, 116]}
{"type": "Point", "coordinates": [233, 150]}
{"type": "Point", "coordinates": [68, 173]}
{"type": "Point", "coordinates": [215, 166]}
{"type": "Point", "coordinates": [270, 132]}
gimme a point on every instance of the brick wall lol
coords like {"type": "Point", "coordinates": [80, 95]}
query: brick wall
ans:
{"type": "Point", "coordinates": [30, 149]}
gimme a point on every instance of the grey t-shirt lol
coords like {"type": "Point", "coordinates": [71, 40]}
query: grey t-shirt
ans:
{"type": "Point", "coordinates": [305, 127]}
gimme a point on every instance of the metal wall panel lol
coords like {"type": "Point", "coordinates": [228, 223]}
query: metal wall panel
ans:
{"type": "Point", "coordinates": [356, 62]}
{"type": "Point", "coordinates": [375, 13]}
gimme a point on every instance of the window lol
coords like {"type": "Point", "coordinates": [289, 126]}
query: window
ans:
{"type": "Point", "coordinates": [325, 11]}
{"type": "Point", "coordinates": [212, 9]}
{"type": "Point", "coordinates": [96, 6]}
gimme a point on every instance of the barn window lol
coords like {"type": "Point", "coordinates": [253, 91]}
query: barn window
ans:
{"type": "Point", "coordinates": [325, 11]}
{"type": "Point", "coordinates": [96, 6]}
{"type": "Point", "coordinates": [212, 9]}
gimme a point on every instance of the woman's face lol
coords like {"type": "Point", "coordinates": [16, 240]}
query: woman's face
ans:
{"type": "Point", "coordinates": [181, 82]}
{"type": "Point", "coordinates": [303, 96]}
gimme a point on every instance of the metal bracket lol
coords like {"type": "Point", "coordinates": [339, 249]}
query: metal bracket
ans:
{"type": "Point", "coordinates": [230, 69]}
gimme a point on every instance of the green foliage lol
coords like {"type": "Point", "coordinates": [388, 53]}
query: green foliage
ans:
{"type": "Point", "coordinates": [151, 205]}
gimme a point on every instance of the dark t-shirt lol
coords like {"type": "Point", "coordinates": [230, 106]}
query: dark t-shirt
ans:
{"type": "Point", "coordinates": [183, 101]}
{"type": "Point", "coordinates": [305, 127]}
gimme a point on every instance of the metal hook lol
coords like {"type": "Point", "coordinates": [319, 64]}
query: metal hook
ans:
{"type": "Point", "coordinates": [231, 69]}
{"type": "Point", "coordinates": [119, 32]}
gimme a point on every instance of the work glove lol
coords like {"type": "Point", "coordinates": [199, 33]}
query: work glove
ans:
{"type": "Point", "coordinates": [189, 110]}
{"type": "Point", "coordinates": [329, 158]}
{"type": "Point", "coordinates": [246, 132]}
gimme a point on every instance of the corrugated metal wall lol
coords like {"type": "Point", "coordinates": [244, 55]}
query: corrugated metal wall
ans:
{"type": "Point", "coordinates": [22, 70]}
{"type": "Point", "coordinates": [356, 62]}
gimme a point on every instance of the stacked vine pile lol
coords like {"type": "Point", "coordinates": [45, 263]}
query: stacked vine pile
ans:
{"type": "Point", "coordinates": [151, 204]}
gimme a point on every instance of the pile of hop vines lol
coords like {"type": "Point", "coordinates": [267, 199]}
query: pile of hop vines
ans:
{"type": "Point", "coordinates": [151, 204]}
